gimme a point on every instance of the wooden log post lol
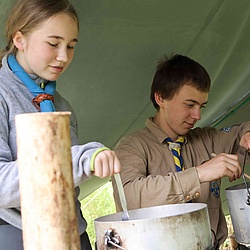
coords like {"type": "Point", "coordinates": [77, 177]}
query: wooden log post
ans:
{"type": "Point", "coordinates": [49, 218]}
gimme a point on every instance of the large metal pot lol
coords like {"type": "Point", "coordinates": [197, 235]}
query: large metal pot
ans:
{"type": "Point", "coordinates": [240, 212]}
{"type": "Point", "coordinates": [179, 226]}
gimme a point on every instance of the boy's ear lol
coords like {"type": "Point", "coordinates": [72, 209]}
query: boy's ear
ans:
{"type": "Point", "coordinates": [159, 100]}
{"type": "Point", "coordinates": [18, 40]}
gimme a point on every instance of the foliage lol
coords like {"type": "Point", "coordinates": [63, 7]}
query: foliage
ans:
{"type": "Point", "coordinates": [97, 204]}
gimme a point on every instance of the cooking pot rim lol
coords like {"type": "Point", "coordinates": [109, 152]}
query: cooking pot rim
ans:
{"type": "Point", "coordinates": [141, 213]}
{"type": "Point", "coordinates": [237, 187]}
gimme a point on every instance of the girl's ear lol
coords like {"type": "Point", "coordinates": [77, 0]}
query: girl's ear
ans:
{"type": "Point", "coordinates": [18, 40]}
{"type": "Point", "coordinates": [159, 100]}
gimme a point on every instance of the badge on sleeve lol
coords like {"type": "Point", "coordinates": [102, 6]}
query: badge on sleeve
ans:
{"type": "Point", "coordinates": [215, 189]}
{"type": "Point", "coordinates": [227, 129]}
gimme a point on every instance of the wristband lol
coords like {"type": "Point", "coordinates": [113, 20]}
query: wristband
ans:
{"type": "Point", "coordinates": [92, 167]}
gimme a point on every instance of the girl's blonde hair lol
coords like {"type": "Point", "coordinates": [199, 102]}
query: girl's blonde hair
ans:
{"type": "Point", "coordinates": [27, 15]}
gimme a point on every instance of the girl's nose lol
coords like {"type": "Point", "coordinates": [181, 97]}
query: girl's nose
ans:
{"type": "Point", "coordinates": [62, 56]}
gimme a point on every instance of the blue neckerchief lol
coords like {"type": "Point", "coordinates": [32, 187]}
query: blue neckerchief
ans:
{"type": "Point", "coordinates": [46, 105]}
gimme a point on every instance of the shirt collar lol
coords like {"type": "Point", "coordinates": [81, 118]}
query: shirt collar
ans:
{"type": "Point", "coordinates": [157, 131]}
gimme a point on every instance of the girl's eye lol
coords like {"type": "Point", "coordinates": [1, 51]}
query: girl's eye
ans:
{"type": "Point", "coordinates": [53, 44]}
{"type": "Point", "coordinates": [70, 47]}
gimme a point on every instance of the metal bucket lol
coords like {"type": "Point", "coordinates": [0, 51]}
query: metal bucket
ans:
{"type": "Point", "coordinates": [178, 226]}
{"type": "Point", "coordinates": [240, 212]}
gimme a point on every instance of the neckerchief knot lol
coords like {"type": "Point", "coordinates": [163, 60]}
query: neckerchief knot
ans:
{"type": "Point", "coordinates": [43, 100]}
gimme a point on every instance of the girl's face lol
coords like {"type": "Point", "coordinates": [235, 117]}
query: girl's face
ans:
{"type": "Point", "coordinates": [48, 50]}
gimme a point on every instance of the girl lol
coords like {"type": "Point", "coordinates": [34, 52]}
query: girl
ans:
{"type": "Point", "coordinates": [41, 38]}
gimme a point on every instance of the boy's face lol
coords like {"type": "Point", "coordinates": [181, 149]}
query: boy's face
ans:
{"type": "Point", "coordinates": [178, 115]}
{"type": "Point", "coordinates": [48, 50]}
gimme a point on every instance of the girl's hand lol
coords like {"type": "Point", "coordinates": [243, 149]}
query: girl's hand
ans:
{"type": "Point", "coordinates": [106, 164]}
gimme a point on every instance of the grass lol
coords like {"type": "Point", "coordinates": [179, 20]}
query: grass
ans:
{"type": "Point", "coordinates": [97, 204]}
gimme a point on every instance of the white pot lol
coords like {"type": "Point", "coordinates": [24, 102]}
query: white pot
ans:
{"type": "Point", "coordinates": [178, 226]}
{"type": "Point", "coordinates": [240, 212]}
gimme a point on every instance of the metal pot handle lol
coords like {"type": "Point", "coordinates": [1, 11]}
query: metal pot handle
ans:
{"type": "Point", "coordinates": [112, 240]}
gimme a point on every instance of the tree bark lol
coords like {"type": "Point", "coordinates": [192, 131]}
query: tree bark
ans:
{"type": "Point", "coordinates": [49, 218]}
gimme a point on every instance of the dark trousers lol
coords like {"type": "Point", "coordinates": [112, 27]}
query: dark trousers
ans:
{"type": "Point", "coordinates": [85, 243]}
{"type": "Point", "coordinates": [11, 239]}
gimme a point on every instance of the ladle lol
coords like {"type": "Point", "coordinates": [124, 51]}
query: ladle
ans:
{"type": "Point", "coordinates": [125, 215]}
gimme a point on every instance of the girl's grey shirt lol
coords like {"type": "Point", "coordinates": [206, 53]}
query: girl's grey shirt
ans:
{"type": "Point", "coordinates": [15, 98]}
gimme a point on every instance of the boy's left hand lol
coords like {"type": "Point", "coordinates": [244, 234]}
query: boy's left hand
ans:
{"type": "Point", "coordinates": [245, 141]}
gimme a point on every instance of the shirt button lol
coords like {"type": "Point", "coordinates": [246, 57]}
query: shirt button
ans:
{"type": "Point", "coordinates": [197, 194]}
{"type": "Point", "coordinates": [188, 197]}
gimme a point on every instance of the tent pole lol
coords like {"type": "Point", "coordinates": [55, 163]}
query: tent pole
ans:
{"type": "Point", "coordinates": [46, 183]}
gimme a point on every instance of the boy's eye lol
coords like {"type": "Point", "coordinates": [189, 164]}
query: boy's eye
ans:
{"type": "Point", "coordinates": [71, 47]}
{"type": "Point", "coordinates": [189, 104]}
